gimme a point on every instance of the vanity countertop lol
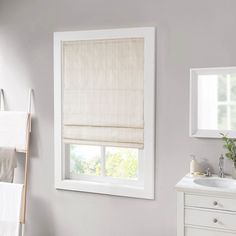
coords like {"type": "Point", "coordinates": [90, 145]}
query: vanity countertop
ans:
{"type": "Point", "coordinates": [207, 185]}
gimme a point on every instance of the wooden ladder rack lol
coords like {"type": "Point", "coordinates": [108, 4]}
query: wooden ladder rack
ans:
{"type": "Point", "coordinates": [25, 151]}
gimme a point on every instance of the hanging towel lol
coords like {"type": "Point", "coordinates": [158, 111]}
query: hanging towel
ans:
{"type": "Point", "coordinates": [10, 208]}
{"type": "Point", "coordinates": [14, 128]}
{"type": "Point", "coordinates": [8, 163]}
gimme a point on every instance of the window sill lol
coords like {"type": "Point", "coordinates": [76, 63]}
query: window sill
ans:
{"type": "Point", "coordinates": [105, 188]}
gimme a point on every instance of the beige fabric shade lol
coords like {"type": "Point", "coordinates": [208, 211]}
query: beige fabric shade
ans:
{"type": "Point", "coordinates": [103, 92]}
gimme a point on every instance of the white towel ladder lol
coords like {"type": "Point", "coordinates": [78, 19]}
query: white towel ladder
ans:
{"type": "Point", "coordinates": [26, 152]}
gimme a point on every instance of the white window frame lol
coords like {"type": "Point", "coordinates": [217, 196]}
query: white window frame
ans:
{"type": "Point", "coordinates": [194, 131]}
{"type": "Point", "coordinates": [148, 153]}
{"type": "Point", "coordinates": [107, 179]}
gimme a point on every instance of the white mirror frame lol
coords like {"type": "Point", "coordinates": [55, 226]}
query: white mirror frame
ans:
{"type": "Point", "coordinates": [193, 117]}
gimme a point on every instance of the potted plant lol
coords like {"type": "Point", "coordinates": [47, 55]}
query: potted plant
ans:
{"type": "Point", "coordinates": [230, 146]}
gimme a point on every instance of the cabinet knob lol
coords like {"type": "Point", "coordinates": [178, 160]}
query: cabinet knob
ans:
{"type": "Point", "coordinates": [215, 220]}
{"type": "Point", "coordinates": [215, 203]}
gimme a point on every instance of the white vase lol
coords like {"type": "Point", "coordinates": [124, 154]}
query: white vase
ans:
{"type": "Point", "coordinates": [234, 171]}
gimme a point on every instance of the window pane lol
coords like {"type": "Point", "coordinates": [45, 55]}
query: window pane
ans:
{"type": "Point", "coordinates": [233, 87]}
{"type": "Point", "coordinates": [122, 162]}
{"type": "Point", "coordinates": [85, 159]}
{"type": "Point", "coordinates": [222, 88]}
{"type": "Point", "coordinates": [233, 117]}
{"type": "Point", "coordinates": [222, 117]}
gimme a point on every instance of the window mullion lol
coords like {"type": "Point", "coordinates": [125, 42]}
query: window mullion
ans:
{"type": "Point", "coordinates": [103, 161]}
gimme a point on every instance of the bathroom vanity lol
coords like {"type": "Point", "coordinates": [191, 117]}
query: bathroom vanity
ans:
{"type": "Point", "coordinates": [206, 206]}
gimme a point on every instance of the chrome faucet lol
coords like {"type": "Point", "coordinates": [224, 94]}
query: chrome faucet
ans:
{"type": "Point", "coordinates": [221, 166]}
{"type": "Point", "coordinates": [208, 173]}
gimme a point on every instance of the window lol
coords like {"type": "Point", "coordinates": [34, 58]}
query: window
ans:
{"type": "Point", "coordinates": [104, 111]}
{"type": "Point", "coordinates": [105, 164]}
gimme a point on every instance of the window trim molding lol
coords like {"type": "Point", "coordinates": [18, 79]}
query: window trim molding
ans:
{"type": "Point", "coordinates": [148, 153]}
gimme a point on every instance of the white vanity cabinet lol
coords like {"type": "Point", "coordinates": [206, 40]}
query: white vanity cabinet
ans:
{"type": "Point", "coordinates": [205, 210]}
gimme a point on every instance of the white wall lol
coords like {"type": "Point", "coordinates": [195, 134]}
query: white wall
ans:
{"type": "Point", "coordinates": [189, 34]}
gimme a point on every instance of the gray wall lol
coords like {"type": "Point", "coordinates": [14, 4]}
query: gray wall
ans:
{"type": "Point", "coordinates": [189, 34]}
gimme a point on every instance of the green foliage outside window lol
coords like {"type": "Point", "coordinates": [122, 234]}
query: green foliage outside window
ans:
{"type": "Point", "coordinates": [121, 163]}
{"type": "Point", "coordinates": [83, 166]}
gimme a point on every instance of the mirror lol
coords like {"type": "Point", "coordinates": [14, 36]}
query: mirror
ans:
{"type": "Point", "coordinates": [213, 102]}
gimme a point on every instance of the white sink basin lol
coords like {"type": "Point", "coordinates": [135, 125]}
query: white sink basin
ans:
{"type": "Point", "coordinates": [217, 183]}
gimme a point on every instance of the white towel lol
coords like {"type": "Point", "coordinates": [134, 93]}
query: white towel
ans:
{"type": "Point", "coordinates": [8, 163]}
{"type": "Point", "coordinates": [10, 209]}
{"type": "Point", "coordinates": [14, 129]}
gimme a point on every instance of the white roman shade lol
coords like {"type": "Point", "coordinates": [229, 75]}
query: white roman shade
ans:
{"type": "Point", "coordinates": [103, 92]}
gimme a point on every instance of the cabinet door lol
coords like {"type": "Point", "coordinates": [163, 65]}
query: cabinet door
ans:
{"type": "Point", "coordinates": [204, 232]}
